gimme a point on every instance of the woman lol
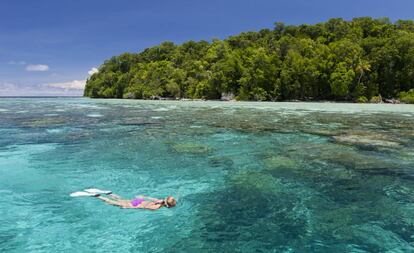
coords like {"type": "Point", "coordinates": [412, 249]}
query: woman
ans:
{"type": "Point", "coordinates": [141, 202]}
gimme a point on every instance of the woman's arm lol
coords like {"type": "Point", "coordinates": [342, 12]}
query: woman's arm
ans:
{"type": "Point", "coordinates": [153, 206]}
{"type": "Point", "coordinates": [149, 205]}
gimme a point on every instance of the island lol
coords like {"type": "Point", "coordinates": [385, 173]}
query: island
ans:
{"type": "Point", "coordinates": [361, 60]}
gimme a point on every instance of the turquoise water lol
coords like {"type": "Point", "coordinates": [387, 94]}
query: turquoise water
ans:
{"type": "Point", "coordinates": [249, 177]}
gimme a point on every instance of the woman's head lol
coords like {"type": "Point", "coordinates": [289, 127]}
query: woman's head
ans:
{"type": "Point", "coordinates": [170, 201]}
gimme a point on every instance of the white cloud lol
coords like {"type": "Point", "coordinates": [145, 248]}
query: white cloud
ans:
{"type": "Point", "coordinates": [93, 71]}
{"type": "Point", "coordinates": [12, 89]}
{"type": "Point", "coordinates": [6, 86]}
{"type": "Point", "coordinates": [68, 88]}
{"type": "Point", "coordinates": [37, 67]}
{"type": "Point", "coordinates": [73, 85]}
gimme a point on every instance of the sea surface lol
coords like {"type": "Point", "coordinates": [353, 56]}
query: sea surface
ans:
{"type": "Point", "coordinates": [248, 177]}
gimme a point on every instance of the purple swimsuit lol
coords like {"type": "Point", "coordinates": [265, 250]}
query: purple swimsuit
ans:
{"type": "Point", "coordinates": [136, 202]}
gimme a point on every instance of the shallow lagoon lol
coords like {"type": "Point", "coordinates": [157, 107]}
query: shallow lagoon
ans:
{"type": "Point", "coordinates": [249, 177]}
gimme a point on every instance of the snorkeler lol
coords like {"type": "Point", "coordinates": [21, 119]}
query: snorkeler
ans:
{"type": "Point", "coordinates": [141, 202]}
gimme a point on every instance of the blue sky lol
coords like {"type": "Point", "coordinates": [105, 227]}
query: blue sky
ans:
{"type": "Point", "coordinates": [47, 47]}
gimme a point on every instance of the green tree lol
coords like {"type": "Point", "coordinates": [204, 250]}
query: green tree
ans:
{"type": "Point", "coordinates": [341, 80]}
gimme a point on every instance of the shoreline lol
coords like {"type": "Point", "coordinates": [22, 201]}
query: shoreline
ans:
{"type": "Point", "coordinates": [387, 101]}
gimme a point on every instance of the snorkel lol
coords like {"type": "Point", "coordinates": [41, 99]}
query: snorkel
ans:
{"type": "Point", "coordinates": [165, 203]}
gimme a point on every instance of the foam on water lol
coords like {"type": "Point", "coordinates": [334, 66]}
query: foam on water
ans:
{"type": "Point", "coordinates": [250, 177]}
{"type": "Point", "coordinates": [161, 109]}
{"type": "Point", "coordinates": [94, 115]}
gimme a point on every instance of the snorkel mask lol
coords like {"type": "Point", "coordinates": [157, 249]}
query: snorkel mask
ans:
{"type": "Point", "coordinates": [166, 203]}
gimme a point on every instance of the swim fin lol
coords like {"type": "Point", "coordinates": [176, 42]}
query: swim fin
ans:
{"type": "Point", "coordinates": [83, 194]}
{"type": "Point", "coordinates": [97, 191]}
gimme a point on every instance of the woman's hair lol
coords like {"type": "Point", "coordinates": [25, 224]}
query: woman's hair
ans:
{"type": "Point", "coordinates": [170, 201]}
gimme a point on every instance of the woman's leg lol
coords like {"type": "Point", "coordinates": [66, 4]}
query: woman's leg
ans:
{"type": "Point", "coordinates": [114, 196]}
{"type": "Point", "coordinates": [121, 203]}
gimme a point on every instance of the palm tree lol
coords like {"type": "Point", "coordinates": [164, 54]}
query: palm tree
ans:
{"type": "Point", "coordinates": [363, 66]}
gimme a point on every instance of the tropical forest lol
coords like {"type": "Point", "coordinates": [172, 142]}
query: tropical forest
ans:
{"type": "Point", "coordinates": [361, 60]}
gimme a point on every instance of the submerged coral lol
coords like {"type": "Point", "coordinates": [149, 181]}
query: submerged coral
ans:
{"type": "Point", "coordinates": [45, 122]}
{"type": "Point", "coordinates": [191, 148]}
{"type": "Point", "coordinates": [280, 162]}
{"type": "Point", "coordinates": [376, 140]}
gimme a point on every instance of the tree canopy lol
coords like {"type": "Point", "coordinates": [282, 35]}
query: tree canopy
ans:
{"type": "Point", "coordinates": [337, 60]}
